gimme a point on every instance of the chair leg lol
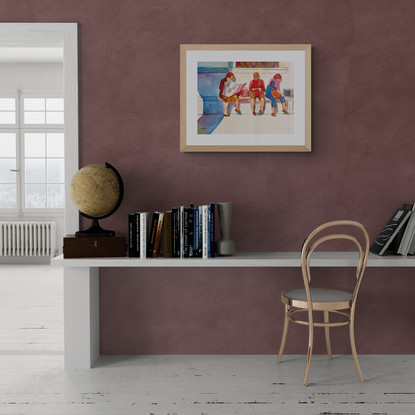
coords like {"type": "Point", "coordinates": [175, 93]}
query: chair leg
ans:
{"type": "Point", "coordinates": [354, 353]}
{"type": "Point", "coordinates": [284, 334]}
{"type": "Point", "coordinates": [309, 353]}
{"type": "Point", "coordinates": [327, 334]}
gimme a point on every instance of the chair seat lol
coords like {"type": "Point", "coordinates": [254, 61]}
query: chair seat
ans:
{"type": "Point", "coordinates": [322, 298]}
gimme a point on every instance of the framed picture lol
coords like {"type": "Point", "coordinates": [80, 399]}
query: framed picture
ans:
{"type": "Point", "coordinates": [245, 98]}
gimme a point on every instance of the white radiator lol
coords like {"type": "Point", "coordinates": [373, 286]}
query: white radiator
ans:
{"type": "Point", "coordinates": [28, 239]}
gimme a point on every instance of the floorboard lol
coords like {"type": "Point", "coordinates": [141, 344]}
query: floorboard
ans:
{"type": "Point", "coordinates": [33, 380]}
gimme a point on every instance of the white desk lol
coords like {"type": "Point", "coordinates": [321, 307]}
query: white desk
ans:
{"type": "Point", "coordinates": [81, 287]}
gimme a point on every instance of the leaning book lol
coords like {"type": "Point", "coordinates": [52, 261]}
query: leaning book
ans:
{"type": "Point", "coordinates": [408, 234]}
{"type": "Point", "coordinates": [391, 229]}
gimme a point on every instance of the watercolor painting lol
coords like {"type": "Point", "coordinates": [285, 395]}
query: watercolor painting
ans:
{"type": "Point", "coordinates": [245, 103]}
{"type": "Point", "coordinates": [233, 96]}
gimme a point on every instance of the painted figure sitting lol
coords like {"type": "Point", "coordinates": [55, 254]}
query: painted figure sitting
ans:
{"type": "Point", "coordinates": [256, 90]}
{"type": "Point", "coordinates": [273, 92]}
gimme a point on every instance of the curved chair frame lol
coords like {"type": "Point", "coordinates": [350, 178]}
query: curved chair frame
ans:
{"type": "Point", "coordinates": [343, 307]}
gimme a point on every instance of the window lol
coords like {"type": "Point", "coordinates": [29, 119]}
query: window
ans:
{"type": "Point", "coordinates": [31, 152]}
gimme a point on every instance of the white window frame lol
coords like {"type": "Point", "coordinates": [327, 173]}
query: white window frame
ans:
{"type": "Point", "coordinates": [20, 129]}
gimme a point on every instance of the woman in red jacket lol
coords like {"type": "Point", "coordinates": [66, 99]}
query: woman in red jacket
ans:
{"type": "Point", "coordinates": [256, 90]}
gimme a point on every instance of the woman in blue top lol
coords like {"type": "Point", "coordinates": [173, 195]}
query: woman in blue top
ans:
{"type": "Point", "coordinates": [273, 92]}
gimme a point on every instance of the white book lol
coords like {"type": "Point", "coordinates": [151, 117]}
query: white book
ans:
{"type": "Point", "coordinates": [205, 231]}
{"type": "Point", "coordinates": [408, 235]}
{"type": "Point", "coordinates": [411, 250]}
{"type": "Point", "coordinates": [143, 233]}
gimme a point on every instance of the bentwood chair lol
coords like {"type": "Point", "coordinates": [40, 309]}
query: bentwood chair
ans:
{"type": "Point", "coordinates": [309, 300]}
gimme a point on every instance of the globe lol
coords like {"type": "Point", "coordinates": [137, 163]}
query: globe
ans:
{"type": "Point", "coordinates": [97, 191]}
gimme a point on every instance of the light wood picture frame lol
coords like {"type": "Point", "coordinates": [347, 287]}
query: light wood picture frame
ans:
{"type": "Point", "coordinates": [222, 110]}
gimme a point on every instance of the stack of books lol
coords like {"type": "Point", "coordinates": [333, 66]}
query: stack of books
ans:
{"type": "Point", "coordinates": [182, 232]}
{"type": "Point", "coordinates": [398, 235]}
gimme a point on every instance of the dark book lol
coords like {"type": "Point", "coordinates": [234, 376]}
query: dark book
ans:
{"type": "Point", "coordinates": [157, 240]}
{"type": "Point", "coordinates": [133, 236]}
{"type": "Point", "coordinates": [186, 251]}
{"type": "Point", "coordinates": [188, 231]}
{"type": "Point", "coordinates": [389, 232]}
{"type": "Point", "coordinates": [191, 229]}
{"type": "Point", "coordinates": [152, 234]}
{"type": "Point", "coordinates": [397, 240]}
{"type": "Point", "coordinates": [130, 233]}
{"type": "Point", "coordinates": [136, 241]}
{"type": "Point", "coordinates": [176, 233]}
{"type": "Point", "coordinates": [168, 234]}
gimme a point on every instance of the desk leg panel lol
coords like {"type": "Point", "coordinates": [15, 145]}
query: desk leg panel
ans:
{"type": "Point", "coordinates": [81, 317]}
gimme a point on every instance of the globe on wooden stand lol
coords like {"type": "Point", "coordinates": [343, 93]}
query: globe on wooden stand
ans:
{"type": "Point", "coordinates": [97, 191]}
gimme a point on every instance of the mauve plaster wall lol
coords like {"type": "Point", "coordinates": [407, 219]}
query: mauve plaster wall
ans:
{"type": "Point", "coordinates": [361, 167]}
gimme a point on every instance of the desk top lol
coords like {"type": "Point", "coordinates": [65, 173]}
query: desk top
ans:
{"type": "Point", "coordinates": [240, 259]}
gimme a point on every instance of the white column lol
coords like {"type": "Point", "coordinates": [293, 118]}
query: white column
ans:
{"type": "Point", "coordinates": [81, 317]}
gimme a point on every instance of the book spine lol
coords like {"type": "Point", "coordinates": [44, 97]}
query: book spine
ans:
{"type": "Point", "coordinates": [212, 230]}
{"type": "Point", "coordinates": [157, 239]}
{"type": "Point", "coordinates": [137, 234]}
{"type": "Point", "coordinates": [411, 250]}
{"type": "Point", "coordinates": [153, 231]}
{"type": "Point", "coordinates": [181, 227]}
{"type": "Point", "coordinates": [205, 233]}
{"type": "Point", "coordinates": [409, 230]}
{"type": "Point", "coordinates": [143, 234]}
{"type": "Point", "coordinates": [176, 233]}
{"type": "Point", "coordinates": [200, 236]}
{"type": "Point", "coordinates": [191, 217]}
{"type": "Point", "coordinates": [168, 234]}
{"type": "Point", "coordinates": [196, 246]}
{"type": "Point", "coordinates": [186, 233]}
{"type": "Point", "coordinates": [130, 234]}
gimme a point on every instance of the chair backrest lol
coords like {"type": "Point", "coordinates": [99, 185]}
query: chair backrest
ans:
{"type": "Point", "coordinates": [320, 235]}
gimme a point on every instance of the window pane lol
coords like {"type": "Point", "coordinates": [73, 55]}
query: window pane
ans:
{"type": "Point", "coordinates": [35, 196]}
{"type": "Point", "coordinates": [35, 171]}
{"type": "Point", "coordinates": [34, 117]}
{"type": "Point", "coordinates": [34, 104]}
{"type": "Point", "coordinates": [34, 145]}
{"type": "Point", "coordinates": [56, 196]}
{"type": "Point", "coordinates": [8, 198]}
{"type": "Point", "coordinates": [7, 145]}
{"type": "Point", "coordinates": [55, 145]}
{"type": "Point", "coordinates": [7, 117]}
{"type": "Point", "coordinates": [7, 176]}
{"type": "Point", "coordinates": [54, 104]}
{"type": "Point", "coordinates": [56, 171]}
{"type": "Point", "coordinates": [54, 117]}
{"type": "Point", "coordinates": [7, 104]}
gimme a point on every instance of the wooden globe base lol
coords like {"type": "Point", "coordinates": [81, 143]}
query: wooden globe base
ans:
{"type": "Point", "coordinates": [94, 230]}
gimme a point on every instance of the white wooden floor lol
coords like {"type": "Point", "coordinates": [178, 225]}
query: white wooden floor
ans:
{"type": "Point", "coordinates": [33, 380]}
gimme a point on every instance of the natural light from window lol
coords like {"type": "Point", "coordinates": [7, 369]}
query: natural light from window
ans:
{"type": "Point", "coordinates": [32, 161]}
